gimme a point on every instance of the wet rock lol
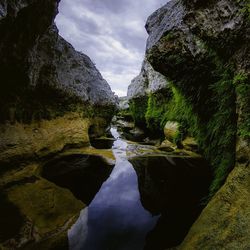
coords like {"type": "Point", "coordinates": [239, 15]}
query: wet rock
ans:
{"type": "Point", "coordinates": [102, 143]}
{"type": "Point", "coordinates": [125, 125]}
{"type": "Point", "coordinates": [190, 144]}
{"type": "Point", "coordinates": [149, 141]}
{"type": "Point", "coordinates": [225, 220]}
{"type": "Point", "coordinates": [137, 133]}
{"type": "Point", "coordinates": [11, 218]}
{"type": "Point", "coordinates": [167, 146]}
{"type": "Point", "coordinates": [42, 138]}
{"type": "Point", "coordinates": [41, 209]}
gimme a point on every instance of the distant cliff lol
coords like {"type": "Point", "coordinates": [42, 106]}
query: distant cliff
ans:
{"type": "Point", "coordinates": [144, 88]}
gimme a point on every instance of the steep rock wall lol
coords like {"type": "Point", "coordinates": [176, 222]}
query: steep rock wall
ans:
{"type": "Point", "coordinates": [44, 78]}
{"type": "Point", "coordinates": [202, 47]}
{"type": "Point", "coordinates": [144, 94]}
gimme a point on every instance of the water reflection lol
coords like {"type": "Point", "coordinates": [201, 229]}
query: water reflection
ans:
{"type": "Point", "coordinates": [115, 219]}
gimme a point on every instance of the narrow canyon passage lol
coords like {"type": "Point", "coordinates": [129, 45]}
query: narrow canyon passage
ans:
{"type": "Point", "coordinates": [124, 125]}
{"type": "Point", "coordinates": [140, 201]}
{"type": "Point", "coordinates": [115, 219]}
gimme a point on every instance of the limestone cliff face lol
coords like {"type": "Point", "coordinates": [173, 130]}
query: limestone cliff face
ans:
{"type": "Point", "coordinates": [147, 85]}
{"type": "Point", "coordinates": [202, 47]}
{"type": "Point", "coordinates": [148, 81]}
{"type": "Point", "coordinates": [42, 79]}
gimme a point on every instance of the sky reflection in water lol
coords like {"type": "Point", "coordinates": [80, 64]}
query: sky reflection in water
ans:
{"type": "Point", "coordinates": [115, 219]}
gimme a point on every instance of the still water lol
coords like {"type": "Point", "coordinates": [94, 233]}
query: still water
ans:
{"type": "Point", "coordinates": [115, 219]}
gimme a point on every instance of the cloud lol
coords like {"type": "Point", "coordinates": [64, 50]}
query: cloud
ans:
{"type": "Point", "coordinates": [111, 33]}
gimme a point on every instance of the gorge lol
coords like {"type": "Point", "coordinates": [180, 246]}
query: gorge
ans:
{"type": "Point", "coordinates": [166, 167]}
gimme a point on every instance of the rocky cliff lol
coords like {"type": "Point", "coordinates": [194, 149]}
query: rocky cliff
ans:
{"type": "Point", "coordinates": [202, 48]}
{"type": "Point", "coordinates": [50, 95]}
{"type": "Point", "coordinates": [52, 100]}
{"type": "Point", "coordinates": [148, 87]}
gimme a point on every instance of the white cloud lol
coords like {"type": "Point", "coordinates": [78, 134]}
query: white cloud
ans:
{"type": "Point", "coordinates": [111, 33]}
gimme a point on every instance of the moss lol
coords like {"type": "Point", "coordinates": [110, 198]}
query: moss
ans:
{"type": "Point", "coordinates": [242, 85]}
{"type": "Point", "coordinates": [45, 204]}
{"type": "Point", "coordinates": [246, 7]}
{"type": "Point", "coordinates": [199, 101]}
{"type": "Point", "coordinates": [170, 105]}
{"type": "Point", "coordinates": [157, 106]}
{"type": "Point", "coordinates": [138, 109]}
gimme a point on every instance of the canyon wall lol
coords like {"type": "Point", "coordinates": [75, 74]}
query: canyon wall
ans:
{"type": "Point", "coordinates": [51, 96]}
{"type": "Point", "coordinates": [52, 100]}
{"type": "Point", "coordinates": [202, 48]}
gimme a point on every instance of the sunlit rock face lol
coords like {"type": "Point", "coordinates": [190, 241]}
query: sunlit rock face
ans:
{"type": "Point", "coordinates": [202, 47]}
{"type": "Point", "coordinates": [43, 77]}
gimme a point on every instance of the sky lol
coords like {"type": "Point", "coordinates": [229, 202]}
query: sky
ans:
{"type": "Point", "coordinates": [111, 33]}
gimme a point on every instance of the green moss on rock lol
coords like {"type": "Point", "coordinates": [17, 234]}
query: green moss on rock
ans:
{"type": "Point", "coordinates": [242, 85]}
{"type": "Point", "coordinates": [138, 109]}
{"type": "Point", "coordinates": [157, 107]}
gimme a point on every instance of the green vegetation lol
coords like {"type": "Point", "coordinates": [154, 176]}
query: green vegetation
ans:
{"type": "Point", "coordinates": [170, 105]}
{"type": "Point", "coordinates": [246, 7]}
{"type": "Point", "coordinates": [138, 109]}
{"type": "Point", "coordinates": [242, 86]}
{"type": "Point", "coordinates": [157, 106]}
{"type": "Point", "coordinates": [202, 98]}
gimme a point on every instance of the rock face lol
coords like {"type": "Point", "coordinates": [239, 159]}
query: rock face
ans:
{"type": "Point", "coordinates": [147, 84]}
{"type": "Point", "coordinates": [202, 47]}
{"type": "Point", "coordinates": [43, 78]}
{"type": "Point", "coordinates": [148, 81]}
{"type": "Point", "coordinates": [123, 103]}
{"type": "Point", "coordinates": [52, 99]}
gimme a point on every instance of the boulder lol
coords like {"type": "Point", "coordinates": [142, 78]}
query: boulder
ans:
{"type": "Point", "coordinates": [148, 81]}
{"type": "Point", "coordinates": [171, 130]}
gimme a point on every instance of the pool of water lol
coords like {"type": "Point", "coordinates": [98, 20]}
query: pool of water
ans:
{"type": "Point", "coordinates": [115, 219]}
{"type": "Point", "coordinates": [11, 219]}
{"type": "Point", "coordinates": [82, 174]}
